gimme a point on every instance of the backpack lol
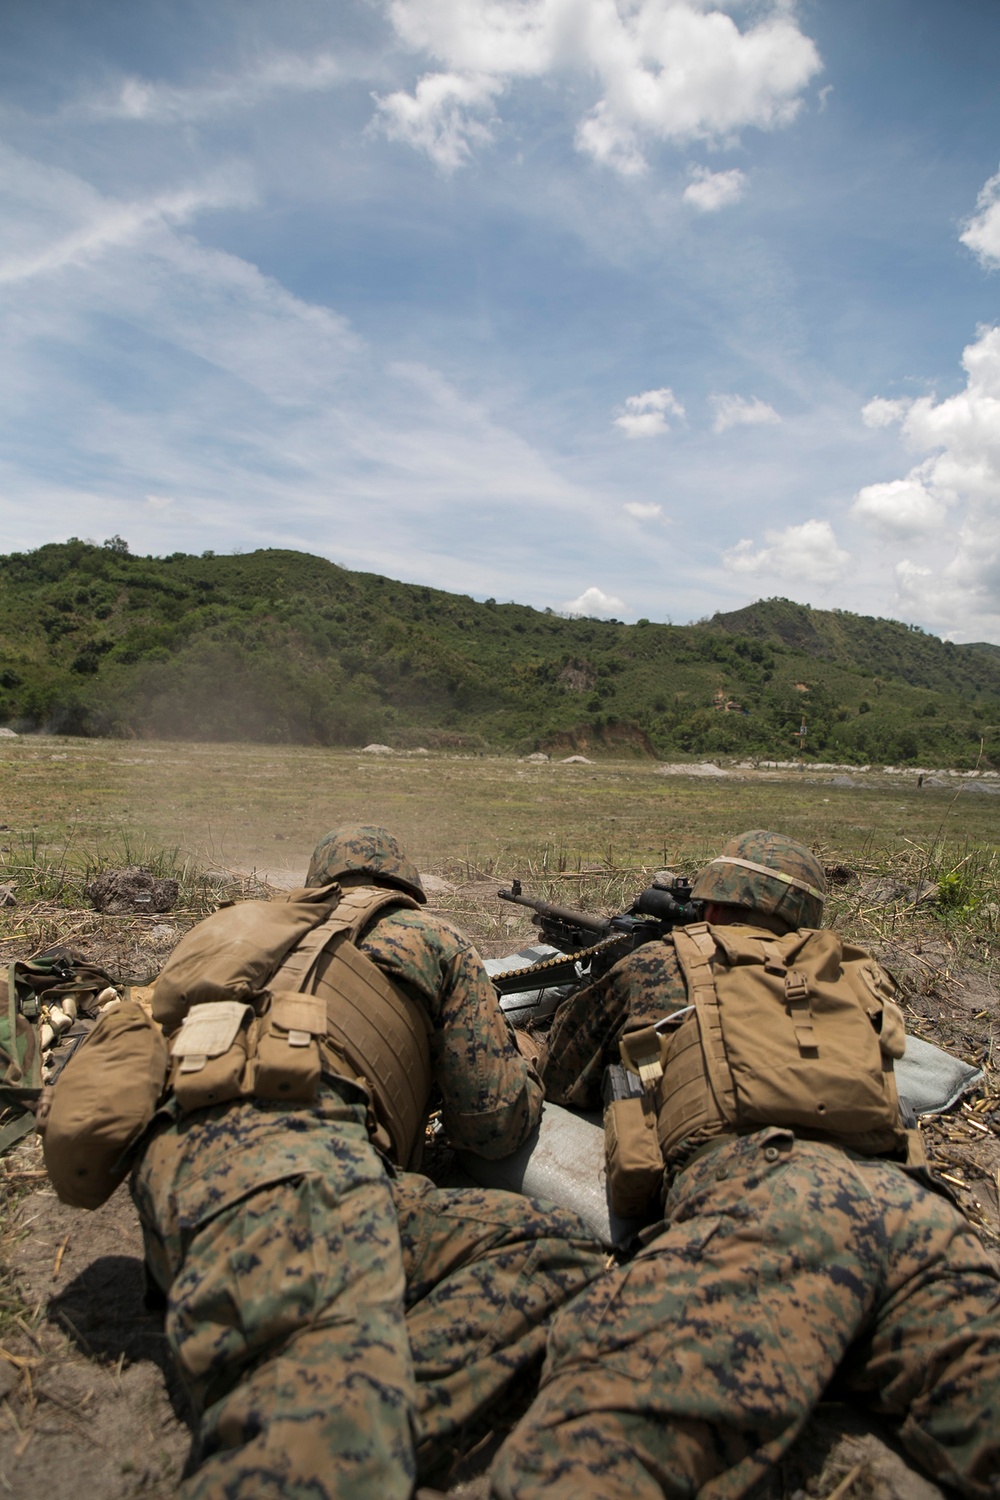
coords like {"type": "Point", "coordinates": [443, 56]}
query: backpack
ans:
{"type": "Point", "coordinates": [798, 1031]}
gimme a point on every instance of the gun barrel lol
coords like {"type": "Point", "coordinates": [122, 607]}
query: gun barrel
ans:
{"type": "Point", "coordinates": [564, 914]}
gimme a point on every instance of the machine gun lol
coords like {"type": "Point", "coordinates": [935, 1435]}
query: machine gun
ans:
{"type": "Point", "coordinates": [593, 944]}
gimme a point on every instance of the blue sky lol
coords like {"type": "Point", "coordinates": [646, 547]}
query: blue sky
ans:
{"type": "Point", "coordinates": [629, 307]}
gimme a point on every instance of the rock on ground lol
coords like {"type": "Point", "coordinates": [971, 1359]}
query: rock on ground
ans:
{"type": "Point", "coordinates": [682, 768]}
{"type": "Point", "coordinates": [133, 889]}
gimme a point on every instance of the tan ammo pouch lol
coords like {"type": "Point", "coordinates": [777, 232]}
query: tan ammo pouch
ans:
{"type": "Point", "coordinates": [287, 1050]}
{"type": "Point", "coordinates": [224, 1051]}
{"type": "Point", "coordinates": [797, 1031]}
{"type": "Point", "coordinates": [101, 1103]}
{"type": "Point", "coordinates": [212, 1054]}
{"type": "Point", "coordinates": [631, 1140]}
{"type": "Point", "coordinates": [633, 1156]}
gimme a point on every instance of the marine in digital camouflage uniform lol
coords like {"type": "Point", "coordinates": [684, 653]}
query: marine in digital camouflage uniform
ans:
{"type": "Point", "coordinates": [783, 1266]}
{"type": "Point", "coordinates": [338, 1323]}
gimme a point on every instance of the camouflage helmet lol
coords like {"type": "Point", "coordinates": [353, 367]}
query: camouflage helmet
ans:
{"type": "Point", "coordinates": [766, 872]}
{"type": "Point", "coordinates": [372, 851]}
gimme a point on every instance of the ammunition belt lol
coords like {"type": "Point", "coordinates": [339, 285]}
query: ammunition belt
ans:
{"type": "Point", "coordinates": [561, 969]}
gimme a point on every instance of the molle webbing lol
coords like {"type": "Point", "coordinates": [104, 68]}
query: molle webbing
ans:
{"type": "Point", "coordinates": [372, 1024]}
{"type": "Point", "coordinates": [356, 909]}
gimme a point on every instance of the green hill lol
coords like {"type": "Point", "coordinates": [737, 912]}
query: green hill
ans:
{"type": "Point", "coordinates": [282, 646]}
{"type": "Point", "coordinates": [881, 648]}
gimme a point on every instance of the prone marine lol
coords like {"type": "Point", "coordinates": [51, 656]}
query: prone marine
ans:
{"type": "Point", "coordinates": [336, 1320]}
{"type": "Point", "coordinates": [803, 1243]}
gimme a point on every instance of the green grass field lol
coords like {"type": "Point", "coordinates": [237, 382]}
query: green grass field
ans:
{"type": "Point", "coordinates": [72, 804]}
{"type": "Point", "coordinates": [240, 806]}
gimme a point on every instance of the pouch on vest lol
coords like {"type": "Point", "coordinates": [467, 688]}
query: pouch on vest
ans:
{"type": "Point", "coordinates": [211, 1055]}
{"type": "Point", "coordinates": [287, 1063]}
{"type": "Point", "coordinates": [100, 1105]}
{"type": "Point", "coordinates": [631, 1146]}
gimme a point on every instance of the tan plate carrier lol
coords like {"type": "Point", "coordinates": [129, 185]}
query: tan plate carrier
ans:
{"type": "Point", "coordinates": [375, 1031]}
{"type": "Point", "coordinates": [319, 1005]}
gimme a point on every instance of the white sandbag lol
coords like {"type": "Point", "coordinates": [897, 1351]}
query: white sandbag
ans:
{"type": "Point", "coordinates": [562, 1160]}
{"type": "Point", "coordinates": [930, 1079]}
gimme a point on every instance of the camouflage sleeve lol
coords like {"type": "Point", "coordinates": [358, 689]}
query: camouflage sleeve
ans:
{"type": "Point", "coordinates": [637, 991]}
{"type": "Point", "coordinates": [492, 1096]}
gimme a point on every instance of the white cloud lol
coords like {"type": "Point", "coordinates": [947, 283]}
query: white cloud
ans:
{"type": "Point", "coordinates": [645, 415]}
{"type": "Point", "coordinates": [806, 554]}
{"type": "Point", "coordinates": [982, 232]}
{"type": "Point", "coordinates": [188, 399]}
{"type": "Point", "coordinates": [594, 601]}
{"type": "Point", "coordinates": [880, 412]}
{"type": "Point", "coordinates": [741, 411]}
{"type": "Point", "coordinates": [900, 508]}
{"type": "Point", "coordinates": [959, 476]}
{"type": "Point", "coordinates": [962, 433]}
{"type": "Point", "coordinates": [710, 191]}
{"type": "Point", "coordinates": [163, 104]}
{"type": "Point", "coordinates": [88, 226]}
{"type": "Point", "coordinates": [442, 116]}
{"type": "Point", "coordinates": [643, 511]}
{"type": "Point", "coordinates": [668, 70]}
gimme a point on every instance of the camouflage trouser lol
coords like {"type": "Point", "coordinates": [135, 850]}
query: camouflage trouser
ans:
{"type": "Point", "coordinates": [691, 1370]}
{"type": "Point", "coordinates": [299, 1275]}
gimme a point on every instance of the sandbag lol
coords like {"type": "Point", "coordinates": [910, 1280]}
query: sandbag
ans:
{"type": "Point", "coordinates": [561, 1161]}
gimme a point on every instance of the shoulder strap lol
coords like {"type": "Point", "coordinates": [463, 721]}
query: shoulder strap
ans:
{"type": "Point", "coordinates": [696, 947]}
{"type": "Point", "coordinates": [354, 911]}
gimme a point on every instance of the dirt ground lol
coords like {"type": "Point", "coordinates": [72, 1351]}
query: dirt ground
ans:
{"type": "Point", "coordinates": [87, 1401]}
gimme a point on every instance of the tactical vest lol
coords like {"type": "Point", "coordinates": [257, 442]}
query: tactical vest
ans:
{"type": "Point", "coordinates": [375, 1031]}
{"type": "Point", "coordinates": [797, 1031]}
{"type": "Point", "coordinates": [281, 1012]}
{"type": "Point", "coordinates": [256, 1002]}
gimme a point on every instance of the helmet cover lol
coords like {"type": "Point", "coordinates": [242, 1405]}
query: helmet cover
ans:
{"type": "Point", "coordinates": [364, 848]}
{"type": "Point", "coordinates": [766, 872]}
